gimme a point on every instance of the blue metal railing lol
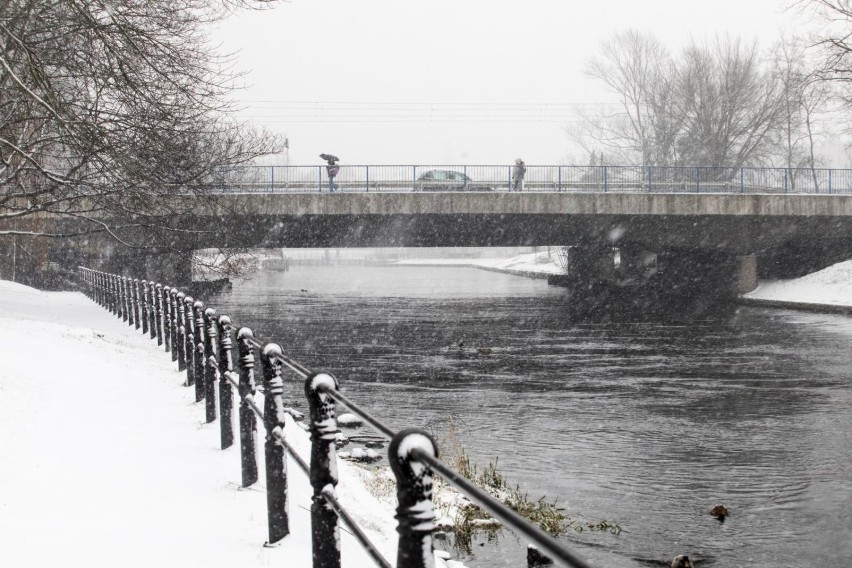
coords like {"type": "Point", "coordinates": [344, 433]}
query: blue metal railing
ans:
{"type": "Point", "coordinates": [202, 344]}
{"type": "Point", "coordinates": [589, 179]}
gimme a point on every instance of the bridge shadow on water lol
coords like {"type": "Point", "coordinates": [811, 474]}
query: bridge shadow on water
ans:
{"type": "Point", "coordinates": [603, 302]}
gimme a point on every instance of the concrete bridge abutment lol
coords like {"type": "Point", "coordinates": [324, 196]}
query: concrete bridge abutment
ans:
{"type": "Point", "coordinates": [631, 280]}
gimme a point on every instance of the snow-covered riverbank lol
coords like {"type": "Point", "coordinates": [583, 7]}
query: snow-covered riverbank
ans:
{"type": "Point", "coordinates": [829, 289]}
{"type": "Point", "coordinates": [107, 460]}
{"type": "Point", "coordinates": [532, 265]}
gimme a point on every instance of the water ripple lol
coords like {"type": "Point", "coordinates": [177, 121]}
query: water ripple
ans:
{"type": "Point", "coordinates": [647, 425]}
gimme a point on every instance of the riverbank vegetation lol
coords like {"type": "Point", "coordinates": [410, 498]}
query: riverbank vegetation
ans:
{"type": "Point", "coordinates": [463, 518]}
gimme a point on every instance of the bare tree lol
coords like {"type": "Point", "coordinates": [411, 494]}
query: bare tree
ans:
{"type": "Point", "coordinates": [831, 45]}
{"type": "Point", "coordinates": [804, 103]}
{"type": "Point", "coordinates": [104, 105]}
{"type": "Point", "coordinates": [731, 105]}
{"type": "Point", "coordinates": [834, 41]}
{"type": "Point", "coordinates": [639, 69]}
{"type": "Point", "coordinates": [712, 105]}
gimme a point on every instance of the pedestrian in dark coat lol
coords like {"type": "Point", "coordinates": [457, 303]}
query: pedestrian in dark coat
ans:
{"type": "Point", "coordinates": [518, 174]}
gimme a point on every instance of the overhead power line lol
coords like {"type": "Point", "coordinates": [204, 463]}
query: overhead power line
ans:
{"type": "Point", "coordinates": [435, 103]}
{"type": "Point", "coordinates": [384, 112]}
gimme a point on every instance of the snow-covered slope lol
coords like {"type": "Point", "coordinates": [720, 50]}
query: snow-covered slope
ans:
{"type": "Point", "coordinates": [106, 459]}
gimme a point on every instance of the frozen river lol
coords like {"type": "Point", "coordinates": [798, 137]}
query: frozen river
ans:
{"type": "Point", "coordinates": [647, 425]}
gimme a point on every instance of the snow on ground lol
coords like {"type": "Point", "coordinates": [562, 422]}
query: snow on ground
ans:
{"type": "Point", "coordinates": [106, 460]}
{"type": "Point", "coordinates": [540, 263]}
{"type": "Point", "coordinates": [832, 286]}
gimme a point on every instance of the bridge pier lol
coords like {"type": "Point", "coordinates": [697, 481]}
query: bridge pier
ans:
{"type": "Point", "coordinates": [608, 280]}
{"type": "Point", "coordinates": [747, 273]}
{"type": "Point", "coordinates": [705, 279]}
{"type": "Point", "coordinates": [800, 257]}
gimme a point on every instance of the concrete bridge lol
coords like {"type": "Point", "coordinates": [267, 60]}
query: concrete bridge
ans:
{"type": "Point", "coordinates": [643, 242]}
{"type": "Point", "coordinates": [659, 243]}
{"type": "Point", "coordinates": [738, 224]}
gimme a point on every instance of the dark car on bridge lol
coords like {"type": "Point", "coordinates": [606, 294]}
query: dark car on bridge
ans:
{"type": "Point", "coordinates": [447, 180]}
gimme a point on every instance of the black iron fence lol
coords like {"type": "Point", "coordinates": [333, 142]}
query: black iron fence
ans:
{"type": "Point", "coordinates": [202, 344]}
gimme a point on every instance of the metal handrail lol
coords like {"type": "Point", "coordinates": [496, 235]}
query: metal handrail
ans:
{"type": "Point", "coordinates": [329, 496]}
{"type": "Point", "coordinates": [162, 315]}
{"type": "Point", "coordinates": [358, 178]}
{"type": "Point", "coordinates": [276, 432]}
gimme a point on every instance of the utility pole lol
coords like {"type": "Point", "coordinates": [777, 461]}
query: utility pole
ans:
{"type": "Point", "coordinates": [14, 257]}
{"type": "Point", "coordinates": [15, 253]}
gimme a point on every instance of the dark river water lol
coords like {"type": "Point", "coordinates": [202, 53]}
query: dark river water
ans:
{"type": "Point", "coordinates": [646, 425]}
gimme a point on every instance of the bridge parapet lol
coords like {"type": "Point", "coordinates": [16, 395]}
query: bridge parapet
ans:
{"type": "Point", "coordinates": [548, 178]}
{"type": "Point", "coordinates": [385, 204]}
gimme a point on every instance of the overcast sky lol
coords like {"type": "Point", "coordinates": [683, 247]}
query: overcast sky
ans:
{"type": "Point", "coordinates": [451, 81]}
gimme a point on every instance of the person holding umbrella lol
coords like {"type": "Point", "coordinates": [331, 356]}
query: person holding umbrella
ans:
{"type": "Point", "coordinates": [331, 169]}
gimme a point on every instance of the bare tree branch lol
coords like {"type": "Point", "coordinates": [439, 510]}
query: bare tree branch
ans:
{"type": "Point", "coordinates": [713, 104]}
{"type": "Point", "coordinates": [105, 104]}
